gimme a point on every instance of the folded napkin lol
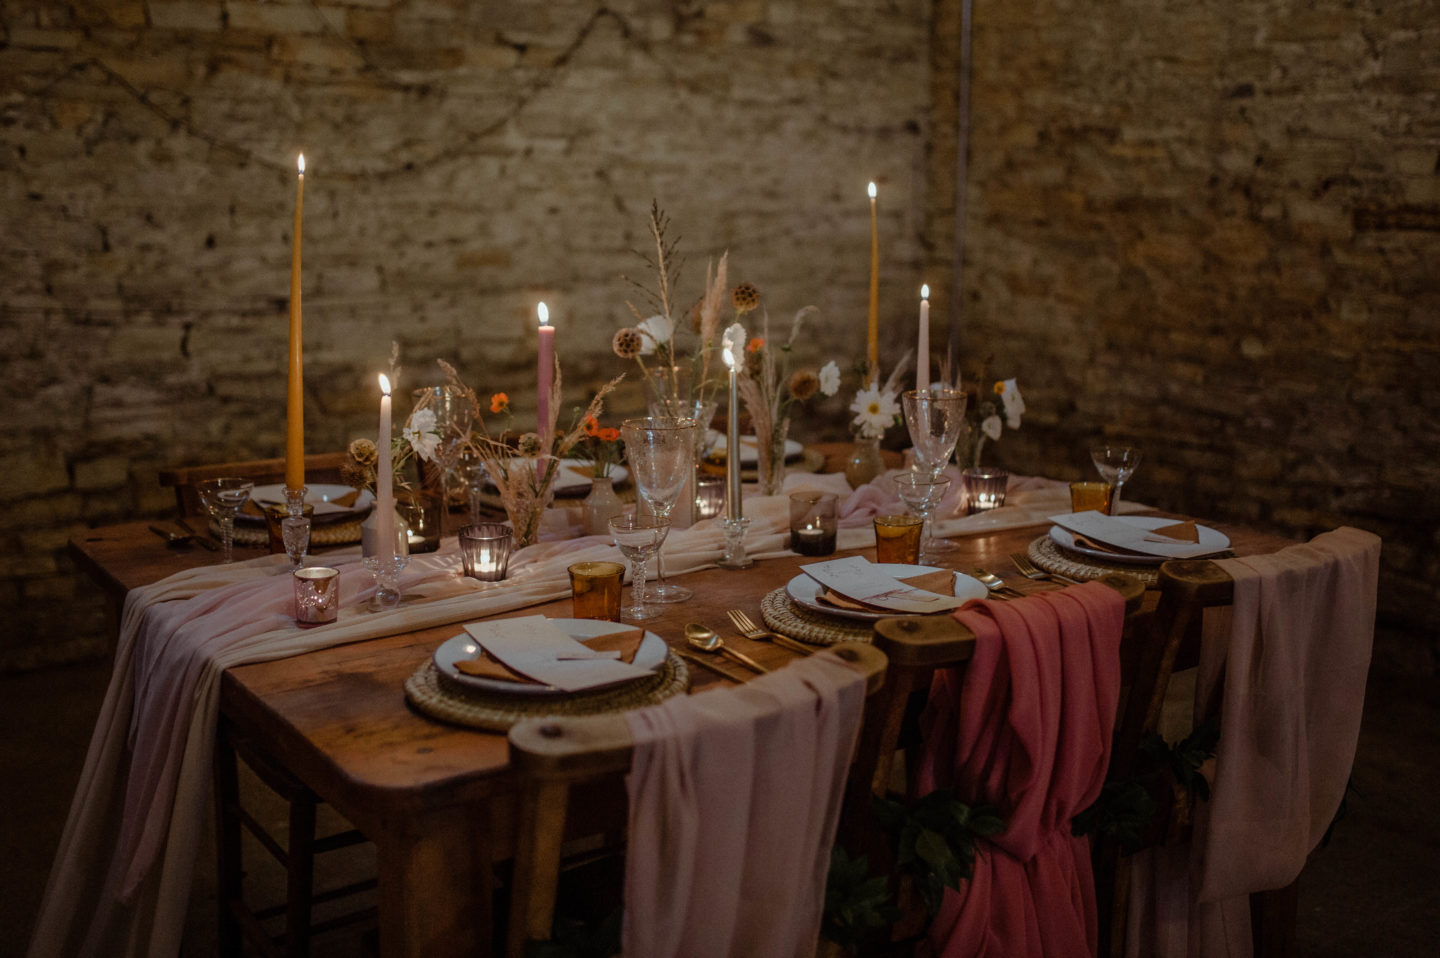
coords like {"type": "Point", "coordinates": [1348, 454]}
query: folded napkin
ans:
{"type": "Point", "coordinates": [941, 583]}
{"type": "Point", "coordinates": [538, 649]}
{"type": "Point", "coordinates": [626, 643]}
{"type": "Point", "coordinates": [860, 580]}
{"type": "Point", "coordinates": [348, 500]}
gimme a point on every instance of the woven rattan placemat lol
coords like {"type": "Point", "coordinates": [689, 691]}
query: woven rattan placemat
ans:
{"type": "Point", "coordinates": [787, 618]}
{"type": "Point", "coordinates": [1050, 557]}
{"type": "Point", "coordinates": [321, 534]}
{"type": "Point", "coordinates": [440, 697]}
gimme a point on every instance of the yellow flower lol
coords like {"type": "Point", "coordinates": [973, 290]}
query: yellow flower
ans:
{"type": "Point", "coordinates": [999, 387]}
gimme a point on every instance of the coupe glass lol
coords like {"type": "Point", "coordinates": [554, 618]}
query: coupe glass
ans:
{"type": "Point", "coordinates": [935, 418]}
{"type": "Point", "coordinates": [1116, 464]}
{"type": "Point", "coordinates": [453, 417]}
{"type": "Point", "coordinates": [223, 498]}
{"type": "Point", "coordinates": [660, 451]}
{"type": "Point", "coordinates": [638, 538]}
{"type": "Point", "coordinates": [921, 494]}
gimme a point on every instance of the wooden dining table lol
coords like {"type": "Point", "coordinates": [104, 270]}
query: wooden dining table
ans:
{"type": "Point", "coordinates": [438, 800]}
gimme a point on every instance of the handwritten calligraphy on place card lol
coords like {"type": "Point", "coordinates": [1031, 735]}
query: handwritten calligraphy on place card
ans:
{"type": "Point", "coordinates": [857, 578]}
{"type": "Point", "coordinates": [535, 647]}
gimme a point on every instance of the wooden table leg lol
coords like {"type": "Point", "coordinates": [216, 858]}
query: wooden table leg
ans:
{"type": "Point", "coordinates": [436, 887]}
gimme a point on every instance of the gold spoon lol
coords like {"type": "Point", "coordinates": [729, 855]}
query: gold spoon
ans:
{"type": "Point", "coordinates": [708, 640]}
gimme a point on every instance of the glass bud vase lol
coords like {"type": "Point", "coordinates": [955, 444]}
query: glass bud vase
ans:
{"type": "Point", "coordinates": [770, 458]}
{"type": "Point", "coordinates": [601, 505]}
{"type": "Point", "coordinates": [865, 462]}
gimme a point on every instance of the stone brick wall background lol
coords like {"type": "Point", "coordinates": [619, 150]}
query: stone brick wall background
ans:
{"type": "Point", "coordinates": [1214, 228]}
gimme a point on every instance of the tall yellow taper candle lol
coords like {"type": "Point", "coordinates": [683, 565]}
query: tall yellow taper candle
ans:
{"type": "Point", "coordinates": [295, 399]}
{"type": "Point", "coordinates": [872, 344]}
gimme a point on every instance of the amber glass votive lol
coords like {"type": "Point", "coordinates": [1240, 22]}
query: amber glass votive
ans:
{"type": "Point", "coordinates": [1090, 496]}
{"type": "Point", "coordinates": [595, 590]}
{"type": "Point", "coordinates": [485, 551]}
{"type": "Point", "coordinates": [812, 523]}
{"type": "Point", "coordinates": [317, 595]}
{"type": "Point", "coordinates": [897, 539]}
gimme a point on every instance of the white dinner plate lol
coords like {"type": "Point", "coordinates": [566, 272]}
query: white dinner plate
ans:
{"type": "Point", "coordinates": [319, 495]}
{"type": "Point", "coordinates": [749, 448]}
{"type": "Point", "coordinates": [572, 478]}
{"type": "Point", "coordinates": [805, 591]}
{"type": "Point", "coordinates": [650, 655]}
{"type": "Point", "coordinates": [1212, 539]}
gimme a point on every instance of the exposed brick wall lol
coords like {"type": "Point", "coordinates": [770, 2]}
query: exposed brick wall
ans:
{"type": "Point", "coordinates": [466, 159]}
{"type": "Point", "coordinates": [1215, 228]}
{"type": "Point", "coordinates": [1212, 227]}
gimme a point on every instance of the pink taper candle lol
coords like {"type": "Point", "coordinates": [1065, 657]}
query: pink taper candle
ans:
{"type": "Point", "coordinates": [295, 397]}
{"type": "Point", "coordinates": [384, 482]}
{"type": "Point", "coordinates": [546, 371]}
{"type": "Point", "coordinates": [922, 346]}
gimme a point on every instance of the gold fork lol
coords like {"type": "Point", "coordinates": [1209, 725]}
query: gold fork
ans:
{"type": "Point", "coordinates": [1030, 571]}
{"type": "Point", "coordinates": [747, 627]}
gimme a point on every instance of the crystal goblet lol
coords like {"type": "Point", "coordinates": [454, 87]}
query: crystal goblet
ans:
{"type": "Point", "coordinates": [223, 498]}
{"type": "Point", "coordinates": [922, 494]}
{"type": "Point", "coordinates": [935, 419]}
{"type": "Point", "coordinates": [661, 454]}
{"type": "Point", "coordinates": [1116, 465]}
{"type": "Point", "coordinates": [638, 538]}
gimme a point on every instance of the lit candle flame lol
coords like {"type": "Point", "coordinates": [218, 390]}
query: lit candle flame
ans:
{"type": "Point", "coordinates": [729, 358]}
{"type": "Point", "coordinates": [301, 164]}
{"type": "Point", "coordinates": [544, 315]}
{"type": "Point", "coordinates": [872, 190]}
{"type": "Point", "coordinates": [384, 384]}
{"type": "Point", "coordinates": [924, 291]}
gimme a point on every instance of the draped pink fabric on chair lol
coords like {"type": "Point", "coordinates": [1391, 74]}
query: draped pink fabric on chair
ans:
{"type": "Point", "coordinates": [1027, 727]}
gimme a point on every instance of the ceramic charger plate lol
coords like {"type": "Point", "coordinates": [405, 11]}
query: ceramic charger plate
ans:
{"type": "Point", "coordinates": [650, 655]}
{"type": "Point", "coordinates": [805, 591]}
{"type": "Point", "coordinates": [1211, 539]}
{"type": "Point", "coordinates": [750, 449]}
{"type": "Point", "coordinates": [572, 477]}
{"type": "Point", "coordinates": [320, 495]}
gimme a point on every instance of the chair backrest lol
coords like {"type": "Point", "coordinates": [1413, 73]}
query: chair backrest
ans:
{"type": "Point", "coordinates": [550, 756]}
{"type": "Point", "coordinates": [320, 467]}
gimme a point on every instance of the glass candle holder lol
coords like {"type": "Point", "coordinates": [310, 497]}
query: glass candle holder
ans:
{"type": "Point", "coordinates": [595, 590]}
{"type": "Point", "coordinates": [317, 595]}
{"type": "Point", "coordinates": [897, 539]}
{"type": "Point", "coordinates": [984, 488]}
{"type": "Point", "coordinates": [275, 533]}
{"type": "Point", "coordinates": [485, 551]}
{"type": "Point", "coordinates": [1090, 496]}
{"type": "Point", "coordinates": [812, 523]}
{"type": "Point", "coordinates": [709, 496]}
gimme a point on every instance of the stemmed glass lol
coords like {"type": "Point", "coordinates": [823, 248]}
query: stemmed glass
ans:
{"type": "Point", "coordinates": [223, 498]}
{"type": "Point", "coordinates": [453, 417]}
{"type": "Point", "coordinates": [295, 532]}
{"type": "Point", "coordinates": [661, 453]}
{"type": "Point", "coordinates": [935, 419]}
{"type": "Point", "coordinates": [638, 538]}
{"type": "Point", "coordinates": [1116, 464]}
{"type": "Point", "coordinates": [921, 494]}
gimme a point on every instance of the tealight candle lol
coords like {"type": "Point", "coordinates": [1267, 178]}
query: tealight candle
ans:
{"type": "Point", "coordinates": [813, 523]}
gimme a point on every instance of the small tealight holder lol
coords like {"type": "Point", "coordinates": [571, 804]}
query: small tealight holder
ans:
{"type": "Point", "coordinates": [317, 595]}
{"type": "Point", "coordinates": [485, 550]}
{"type": "Point", "coordinates": [735, 557]}
{"type": "Point", "coordinates": [984, 488]}
{"type": "Point", "coordinates": [812, 523]}
{"type": "Point", "coordinates": [709, 496]}
{"type": "Point", "coordinates": [595, 590]}
{"type": "Point", "coordinates": [1091, 496]}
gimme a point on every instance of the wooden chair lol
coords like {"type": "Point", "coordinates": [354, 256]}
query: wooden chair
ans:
{"type": "Point", "coordinates": [552, 756]}
{"type": "Point", "coordinates": [238, 922]}
{"type": "Point", "coordinates": [320, 467]}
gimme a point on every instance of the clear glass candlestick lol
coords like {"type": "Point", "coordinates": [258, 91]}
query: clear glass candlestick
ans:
{"type": "Point", "coordinates": [295, 532]}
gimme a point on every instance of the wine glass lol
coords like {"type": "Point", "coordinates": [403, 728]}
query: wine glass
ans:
{"type": "Point", "coordinates": [661, 454]}
{"type": "Point", "coordinates": [921, 493]}
{"type": "Point", "coordinates": [223, 498]}
{"type": "Point", "coordinates": [1116, 464]}
{"type": "Point", "coordinates": [935, 419]}
{"type": "Point", "coordinates": [638, 538]}
{"type": "Point", "coordinates": [453, 417]}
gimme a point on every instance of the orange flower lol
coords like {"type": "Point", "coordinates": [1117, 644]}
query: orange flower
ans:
{"type": "Point", "coordinates": [499, 402]}
{"type": "Point", "coordinates": [755, 345]}
{"type": "Point", "coordinates": [610, 434]}
{"type": "Point", "coordinates": [592, 426]}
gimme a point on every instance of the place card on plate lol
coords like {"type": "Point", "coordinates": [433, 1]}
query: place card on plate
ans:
{"type": "Point", "coordinates": [857, 578]}
{"type": "Point", "coordinates": [1108, 531]}
{"type": "Point", "coordinates": [536, 648]}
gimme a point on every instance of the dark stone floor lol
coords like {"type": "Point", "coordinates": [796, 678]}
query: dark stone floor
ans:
{"type": "Point", "coordinates": [1375, 890]}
